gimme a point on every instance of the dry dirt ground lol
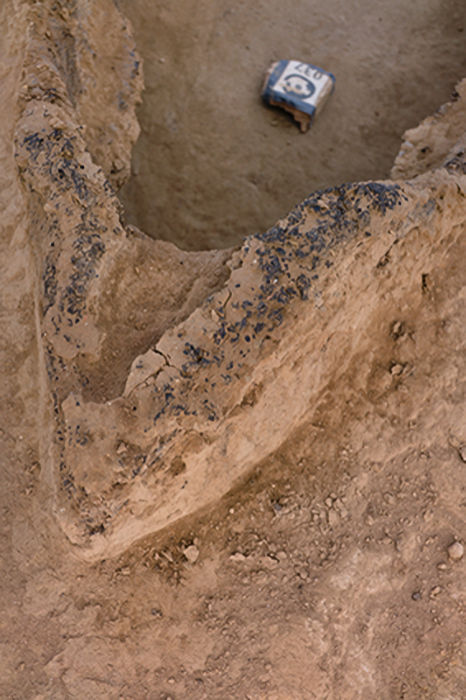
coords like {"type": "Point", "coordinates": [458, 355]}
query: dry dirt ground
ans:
{"type": "Point", "coordinates": [330, 572]}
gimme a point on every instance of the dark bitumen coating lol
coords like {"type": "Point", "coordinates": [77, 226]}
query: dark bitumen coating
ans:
{"type": "Point", "coordinates": [287, 257]}
{"type": "Point", "coordinates": [52, 164]}
{"type": "Point", "coordinates": [51, 158]}
{"type": "Point", "coordinates": [289, 251]}
{"type": "Point", "coordinates": [49, 166]}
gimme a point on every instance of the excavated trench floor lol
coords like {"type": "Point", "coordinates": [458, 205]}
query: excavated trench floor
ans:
{"type": "Point", "coordinates": [213, 165]}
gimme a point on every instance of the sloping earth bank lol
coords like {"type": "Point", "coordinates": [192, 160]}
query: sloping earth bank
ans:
{"type": "Point", "coordinates": [329, 572]}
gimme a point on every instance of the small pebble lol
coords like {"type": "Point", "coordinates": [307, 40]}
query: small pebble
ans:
{"type": "Point", "coordinates": [237, 556]}
{"type": "Point", "coordinates": [462, 452]}
{"type": "Point", "coordinates": [416, 595]}
{"type": "Point", "coordinates": [269, 561]}
{"type": "Point", "coordinates": [442, 566]}
{"type": "Point", "coordinates": [435, 591]}
{"type": "Point", "coordinates": [456, 551]}
{"type": "Point", "coordinates": [191, 553]}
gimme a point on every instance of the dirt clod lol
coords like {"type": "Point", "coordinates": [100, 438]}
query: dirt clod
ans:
{"type": "Point", "coordinates": [456, 551]}
{"type": "Point", "coordinates": [191, 553]}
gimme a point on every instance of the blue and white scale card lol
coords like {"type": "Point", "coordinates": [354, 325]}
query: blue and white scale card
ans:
{"type": "Point", "coordinates": [298, 87]}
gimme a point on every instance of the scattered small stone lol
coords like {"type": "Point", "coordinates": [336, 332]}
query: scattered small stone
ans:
{"type": "Point", "coordinates": [269, 561]}
{"type": "Point", "coordinates": [442, 566]}
{"type": "Point", "coordinates": [171, 680]}
{"type": "Point", "coordinates": [462, 452]}
{"type": "Point", "coordinates": [396, 369]}
{"type": "Point", "coordinates": [237, 556]}
{"type": "Point", "coordinates": [416, 595]}
{"type": "Point", "coordinates": [333, 518]}
{"type": "Point", "coordinates": [456, 551]}
{"type": "Point", "coordinates": [435, 591]}
{"type": "Point", "coordinates": [340, 507]}
{"type": "Point", "coordinates": [191, 553]}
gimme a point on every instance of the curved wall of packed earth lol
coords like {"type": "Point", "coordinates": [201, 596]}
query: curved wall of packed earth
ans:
{"type": "Point", "coordinates": [167, 376]}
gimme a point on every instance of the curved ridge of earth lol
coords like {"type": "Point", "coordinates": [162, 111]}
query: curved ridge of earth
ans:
{"type": "Point", "coordinates": [221, 384]}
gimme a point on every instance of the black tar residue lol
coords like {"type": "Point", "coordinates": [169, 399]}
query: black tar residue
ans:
{"type": "Point", "coordinates": [51, 158]}
{"type": "Point", "coordinates": [289, 257]}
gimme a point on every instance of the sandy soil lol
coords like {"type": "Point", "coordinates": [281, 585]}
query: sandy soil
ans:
{"type": "Point", "coordinates": [213, 165]}
{"type": "Point", "coordinates": [332, 570]}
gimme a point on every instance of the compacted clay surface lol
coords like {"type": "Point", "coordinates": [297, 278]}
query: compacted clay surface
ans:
{"type": "Point", "coordinates": [234, 473]}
